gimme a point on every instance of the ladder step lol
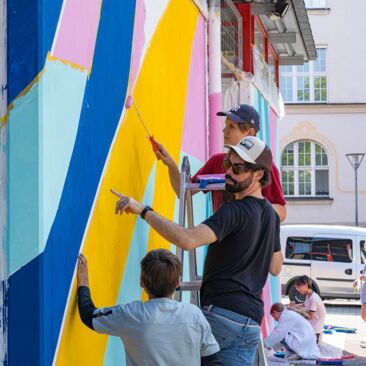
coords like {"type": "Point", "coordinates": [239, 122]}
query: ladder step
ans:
{"type": "Point", "coordinates": [190, 285]}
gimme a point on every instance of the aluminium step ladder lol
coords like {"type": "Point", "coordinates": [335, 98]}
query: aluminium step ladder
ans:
{"type": "Point", "coordinates": [186, 211]}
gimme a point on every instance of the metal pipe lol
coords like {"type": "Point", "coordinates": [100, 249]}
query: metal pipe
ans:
{"type": "Point", "coordinates": [356, 198]}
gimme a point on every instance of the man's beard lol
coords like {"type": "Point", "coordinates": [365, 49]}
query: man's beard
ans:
{"type": "Point", "coordinates": [237, 187]}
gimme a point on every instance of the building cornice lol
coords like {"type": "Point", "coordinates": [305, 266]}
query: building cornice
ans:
{"type": "Point", "coordinates": [329, 108]}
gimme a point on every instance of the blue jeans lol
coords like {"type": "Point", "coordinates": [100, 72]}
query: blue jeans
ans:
{"type": "Point", "coordinates": [237, 335]}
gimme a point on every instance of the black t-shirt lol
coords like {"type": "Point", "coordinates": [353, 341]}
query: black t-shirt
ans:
{"type": "Point", "coordinates": [237, 265]}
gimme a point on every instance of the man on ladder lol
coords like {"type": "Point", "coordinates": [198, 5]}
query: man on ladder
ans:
{"type": "Point", "coordinates": [245, 247]}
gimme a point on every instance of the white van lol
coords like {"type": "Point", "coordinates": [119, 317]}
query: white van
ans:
{"type": "Point", "coordinates": [332, 256]}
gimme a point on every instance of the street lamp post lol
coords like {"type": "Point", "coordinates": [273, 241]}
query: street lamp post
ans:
{"type": "Point", "coordinates": [355, 160]}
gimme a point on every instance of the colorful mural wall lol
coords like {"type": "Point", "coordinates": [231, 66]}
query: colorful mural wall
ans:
{"type": "Point", "coordinates": [69, 139]}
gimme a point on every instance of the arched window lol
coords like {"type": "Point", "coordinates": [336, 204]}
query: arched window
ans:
{"type": "Point", "coordinates": [305, 170]}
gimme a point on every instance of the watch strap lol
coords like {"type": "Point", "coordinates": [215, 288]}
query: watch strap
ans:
{"type": "Point", "coordinates": [143, 212]}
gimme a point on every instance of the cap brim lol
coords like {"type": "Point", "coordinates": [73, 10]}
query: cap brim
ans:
{"type": "Point", "coordinates": [241, 153]}
{"type": "Point", "coordinates": [231, 115]}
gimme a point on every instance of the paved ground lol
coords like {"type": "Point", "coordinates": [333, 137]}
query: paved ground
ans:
{"type": "Point", "coordinates": [344, 313]}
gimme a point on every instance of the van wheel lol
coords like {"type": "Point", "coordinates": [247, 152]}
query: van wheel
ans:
{"type": "Point", "coordinates": [295, 296]}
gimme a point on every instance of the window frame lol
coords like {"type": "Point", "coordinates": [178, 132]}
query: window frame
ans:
{"type": "Point", "coordinates": [296, 168]}
{"type": "Point", "coordinates": [294, 74]}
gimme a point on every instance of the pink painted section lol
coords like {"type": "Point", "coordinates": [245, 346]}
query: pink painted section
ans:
{"type": "Point", "coordinates": [77, 32]}
{"type": "Point", "coordinates": [138, 43]}
{"type": "Point", "coordinates": [215, 124]}
{"type": "Point", "coordinates": [194, 131]}
{"type": "Point", "coordinates": [272, 116]}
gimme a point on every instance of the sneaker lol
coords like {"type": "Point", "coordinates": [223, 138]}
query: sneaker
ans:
{"type": "Point", "coordinates": [293, 357]}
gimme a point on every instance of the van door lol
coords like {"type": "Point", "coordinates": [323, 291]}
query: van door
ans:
{"type": "Point", "coordinates": [333, 264]}
{"type": "Point", "coordinates": [361, 261]}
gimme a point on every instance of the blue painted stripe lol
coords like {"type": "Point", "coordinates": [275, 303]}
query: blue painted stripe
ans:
{"type": "Point", "coordinates": [102, 106]}
{"type": "Point", "coordinates": [31, 29]}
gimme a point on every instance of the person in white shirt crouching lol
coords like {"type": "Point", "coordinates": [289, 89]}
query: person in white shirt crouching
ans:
{"type": "Point", "coordinates": [294, 333]}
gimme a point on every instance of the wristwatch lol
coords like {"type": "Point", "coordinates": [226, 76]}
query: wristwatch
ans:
{"type": "Point", "coordinates": [143, 212]}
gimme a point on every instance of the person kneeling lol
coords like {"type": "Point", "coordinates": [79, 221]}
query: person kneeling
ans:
{"type": "Point", "coordinates": [294, 333]}
{"type": "Point", "coordinates": [159, 332]}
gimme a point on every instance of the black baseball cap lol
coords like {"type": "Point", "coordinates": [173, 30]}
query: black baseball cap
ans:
{"type": "Point", "coordinates": [243, 113]}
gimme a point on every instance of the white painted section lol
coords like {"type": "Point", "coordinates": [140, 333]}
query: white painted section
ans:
{"type": "Point", "coordinates": [154, 11]}
{"type": "Point", "coordinates": [3, 176]}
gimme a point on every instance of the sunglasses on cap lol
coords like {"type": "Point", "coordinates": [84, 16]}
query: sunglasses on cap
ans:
{"type": "Point", "coordinates": [236, 168]}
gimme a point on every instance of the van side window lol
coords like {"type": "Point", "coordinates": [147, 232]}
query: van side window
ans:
{"type": "Point", "coordinates": [332, 250]}
{"type": "Point", "coordinates": [320, 249]}
{"type": "Point", "coordinates": [363, 251]}
{"type": "Point", "coordinates": [298, 247]}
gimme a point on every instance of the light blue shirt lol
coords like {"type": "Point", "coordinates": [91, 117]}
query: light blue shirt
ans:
{"type": "Point", "coordinates": [158, 332]}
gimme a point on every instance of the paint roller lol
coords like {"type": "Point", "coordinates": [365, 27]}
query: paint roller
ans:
{"type": "Point", "coordinates": [129, 103]}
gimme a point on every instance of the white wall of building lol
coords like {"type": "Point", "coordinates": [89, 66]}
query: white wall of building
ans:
{"type": "Point", "coordinates": [332, 128]}
{"type": "Point", "coordinates": [342, 30]}
{"type": "Point", "coordinates": [340, 125]}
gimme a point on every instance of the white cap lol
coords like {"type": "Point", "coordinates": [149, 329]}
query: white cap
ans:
{"type": "Point", "coordinates": [253, 150]}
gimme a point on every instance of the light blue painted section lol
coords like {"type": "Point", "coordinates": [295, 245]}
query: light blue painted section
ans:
{"type": "Point", "coordinates": [23, 170]}
{"type": "Point", "coordinates": [61, 96]}
{"type": "Point", "coordinates": [130, 289]}
{"type": "Point", "coordinates": [42, 130]}
{"type": "Point", "coordinates": [266, 116]}
{"type": "Point", "coordinates": [275, 288]}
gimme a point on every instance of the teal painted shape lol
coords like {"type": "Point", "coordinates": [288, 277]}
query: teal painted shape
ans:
{"type": "Point", "coordinates": [23, 173]}
{"type": "Point", "coordinates": [275, 289]}
{"type": "Point", "coordinates": [266, 121]}
{"type": "Point", "coordinates": [42, 130]}
{"type": "Point", "coordinates": [130, 289]}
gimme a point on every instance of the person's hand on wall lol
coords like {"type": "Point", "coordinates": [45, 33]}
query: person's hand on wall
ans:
{"type": "Point", "coordinates": [82, 271]}
{"type": "Point", "coordinates": [127, 204]}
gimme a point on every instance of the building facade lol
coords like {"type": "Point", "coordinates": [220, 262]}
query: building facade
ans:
{"type": "Point", "coordinates": [325, 103]}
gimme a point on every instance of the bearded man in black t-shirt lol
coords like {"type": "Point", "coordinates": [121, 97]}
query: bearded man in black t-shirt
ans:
{"type": "Point", "coordinates": [244, 247]}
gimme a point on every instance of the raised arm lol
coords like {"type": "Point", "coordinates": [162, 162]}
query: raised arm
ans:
{"type": "Point", "coordinates": [184, 238]}
{"type": "Point", "coordinates": [174, 173]}
{"type": "Point", "coordinates": [85, 303]}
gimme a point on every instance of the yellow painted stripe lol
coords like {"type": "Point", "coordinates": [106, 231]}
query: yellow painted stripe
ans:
{"type": "Point", "coordinates": [160, 93]}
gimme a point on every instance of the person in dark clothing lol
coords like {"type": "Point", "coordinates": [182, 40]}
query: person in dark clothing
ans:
{"type": "Point", "coordinates": [244, 247]}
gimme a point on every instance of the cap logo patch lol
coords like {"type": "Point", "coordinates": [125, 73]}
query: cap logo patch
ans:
{"type": "Point", "coordinates": [247, 144]}
{"type": "Point", "coordinates": [235, 109]}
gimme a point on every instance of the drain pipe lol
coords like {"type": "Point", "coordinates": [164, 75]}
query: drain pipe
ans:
{"type": "Point", "coordinates": [214, 77]}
